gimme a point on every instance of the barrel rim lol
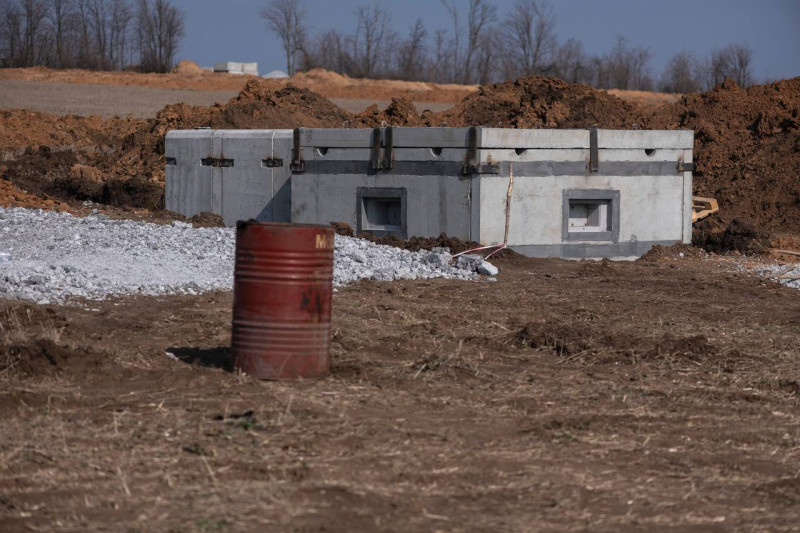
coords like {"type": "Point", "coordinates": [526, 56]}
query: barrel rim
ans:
{"type": "Point", "coordinates": [254, 222]}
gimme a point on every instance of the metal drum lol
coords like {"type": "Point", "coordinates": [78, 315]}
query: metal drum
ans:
{"type": "Point", "coordinates": [282, 293]}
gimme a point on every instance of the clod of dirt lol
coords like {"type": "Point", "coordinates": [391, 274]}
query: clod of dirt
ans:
{"type": "Point", "coordinates": [343, 228]}
{"type": "Point", "coordinates": [539, 102]}
{"type": "Point", "coordinates": [401, 112]}
{"type": "Point", "coordinates": [677, 251]}
{"type": "Point", "coordinates": [692, 347]}
{"type": "Point", "coordinates": [46, 358]}
{"type": "Point", "coordinates": [715, 236]}
{"type": "Point", "coordinates": [563, 339]}
{"type": "Point", "coordinates": [207, 220]}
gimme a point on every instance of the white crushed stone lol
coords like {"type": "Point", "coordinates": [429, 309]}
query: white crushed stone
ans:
{"type": "Point", "coordinates": [776, 272]}
{"type": "Point", "coordinates": [56, 256]}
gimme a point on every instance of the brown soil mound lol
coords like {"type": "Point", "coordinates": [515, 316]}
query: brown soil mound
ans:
{"type": "Point", "coordinates": [538, 102]}
{"type": "Point", "coordinates": [747, 142]}
{"type": "Point", "coordinates": [47, 358]}
{"type": "Point", "coordinates": [120, 162]}
{"type": "Point", "coordinates": [11, 196]}
{"type": "Point", "coordinates": [187, 67]}
{"type": "Point", "coordinates": [747, 150]}
{"type": "Point", "coordinates": [659, 253]}
{"type": "Point", "coordinates": [20, 129]}
{"type": "Point", "coordinates": [401, 112]}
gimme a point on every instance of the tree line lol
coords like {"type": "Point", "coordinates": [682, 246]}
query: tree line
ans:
{"type": "Point", "coordinates": [483, 45]}
{"type": "Point", "coordinates": [90, 34]}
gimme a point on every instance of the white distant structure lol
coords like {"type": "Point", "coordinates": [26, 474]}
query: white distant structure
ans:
{"type": "Point", "coordinates": [233, 67]}
{"type": "Point", "coordinates": [276, 74]}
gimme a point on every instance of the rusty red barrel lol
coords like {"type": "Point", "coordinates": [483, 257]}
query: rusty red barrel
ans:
{"type": "Point", "coordinates": [282, 292]}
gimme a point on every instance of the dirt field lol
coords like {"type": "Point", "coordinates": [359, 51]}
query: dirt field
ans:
{"type": "Point", "coordinates": [658, 395]}
{"type": "Point", "coordinates": [655, 396]}
{"type": "Point", "coordinates": [110, 101]}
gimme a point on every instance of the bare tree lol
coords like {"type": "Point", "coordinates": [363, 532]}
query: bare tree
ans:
{"type": "Point", "coordinates": [439, 70]}
{"type": "Point", "coordinates": [286, 19]}
{"type": "Point", "coordinates": [98, 21]}
{"type": "Point", "coordinates": [412, 54]}
{"type": "Point", "coordinates": [119, 30]}
{"type": "Point", "coordinates": [681, 74]}
{"type": "Point", "coordinates": [10, 34]}
{"type": "Point", "coordinates": [528, 32]}
{"type": "Point", "coordinates": [741, 57]}
{"type": "Point", "coordinates": [571, 64]}
{"type": "Point", "coordinates": [60, 21]}
{"type": "Point", "coordinates": [34, 13]}
{"type": "Point", "coordinates": [372, 40]}
{"type": "Point", "coordinates": [481, 14]}
{"type": "Point", "coordinates": [159, 30]}
{"type": "Point", "coordinates": [452, 10]}
{"type": "Point", "coordinates": [625, 68]}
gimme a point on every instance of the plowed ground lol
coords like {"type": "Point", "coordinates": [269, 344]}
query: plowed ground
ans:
{"type": "Point", "coordinates": [659, 395]}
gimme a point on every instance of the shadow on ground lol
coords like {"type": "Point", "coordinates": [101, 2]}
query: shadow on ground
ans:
{"type": "Point", "coordinates": [219, 357]}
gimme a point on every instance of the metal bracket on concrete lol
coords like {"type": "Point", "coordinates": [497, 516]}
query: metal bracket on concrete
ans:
{"type": "Point", "coordinates": [216, 162]}
{"type": "Point", "coordinates": [472, 165]}
{"type": "Point", "coordinates": [685, 167]}
{"type": "Point", "coordinates": [593, 154]}
{"type": "Point", "coordinates": [376, 149]}
{"type": "Point", "coordinates": [272, 162]}
{"type": "Point", "coordinates": [297, 159]}
{"type": "Point", "coordinates": [388, 149]}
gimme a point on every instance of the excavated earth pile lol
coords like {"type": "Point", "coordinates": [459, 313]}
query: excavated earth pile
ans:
{"type": "Point", "coordinates": [747, 144]}
{"type": "Point", "coordinates": [747, 154]}
{"type": "Point", "coordinates": [538, 102]}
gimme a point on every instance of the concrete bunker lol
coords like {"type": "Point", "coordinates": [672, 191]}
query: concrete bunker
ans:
{"type": "Point", "coordinates": [573, 193]}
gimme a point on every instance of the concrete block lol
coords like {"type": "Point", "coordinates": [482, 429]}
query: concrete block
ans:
{"type": "Point", "coordinates": [422, 182]}
{"type": "Point", "coordinates": [487, 269]}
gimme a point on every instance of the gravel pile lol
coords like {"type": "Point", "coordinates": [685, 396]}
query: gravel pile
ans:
{"type": "Point", "coordinates": [785, 275]}
{"type": "Point", "coordinates": [54, 256]}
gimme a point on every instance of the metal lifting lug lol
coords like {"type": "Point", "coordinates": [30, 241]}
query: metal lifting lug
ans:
{"type": "Point", "coordinates": [486, 168]}
{"type": "Point", "coordinates": [593, 152]}
{"type": "Point", "coordinates": [297, 164]}
{"type": "Point", "coordinates": [272, 162]}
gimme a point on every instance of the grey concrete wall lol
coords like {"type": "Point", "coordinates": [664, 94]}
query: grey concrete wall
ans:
{"type": "Point", "coordinates": [434, 204]}
{"type": "Point", "coordinates": [641, 167]}
{"type": "Point", "coordinates": [247, 189]}
{"type": "Point", "coordinates": [638, 169]}
{"type": "Point", "coordinates": [187, 183]}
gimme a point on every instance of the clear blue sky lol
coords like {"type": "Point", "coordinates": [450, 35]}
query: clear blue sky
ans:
{"type": "Point", "coordinates": [231, 30]}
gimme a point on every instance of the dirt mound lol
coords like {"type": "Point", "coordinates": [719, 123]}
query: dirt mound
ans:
{"type": "Point", "coordinates": [207, 220]}
{"type": "Point", "coordinates": [257, 106]}
{"type": "Point", "coordinates": [401, 112]}
{"type": "Point", "coordinates": [47, 358]}
{"type": "Point", "coordinates": [11, 196]}
{"type": "Point", "coordinates": [747, 150]}
{"type": "Point", "coordinates": [20, 128]}
{"type": "Point", "coordinates": [539, 102]}
{"type": "Point", "coordinates": [120, 162]}
{"type": "Point", "coordinates": [719, 237]}
{"type": "Point", "coordinates": [579, 338]}
{"type": "Point", "coordinates": [188, 67]}
{"type": "Point", "coordinates": [669, 253]}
